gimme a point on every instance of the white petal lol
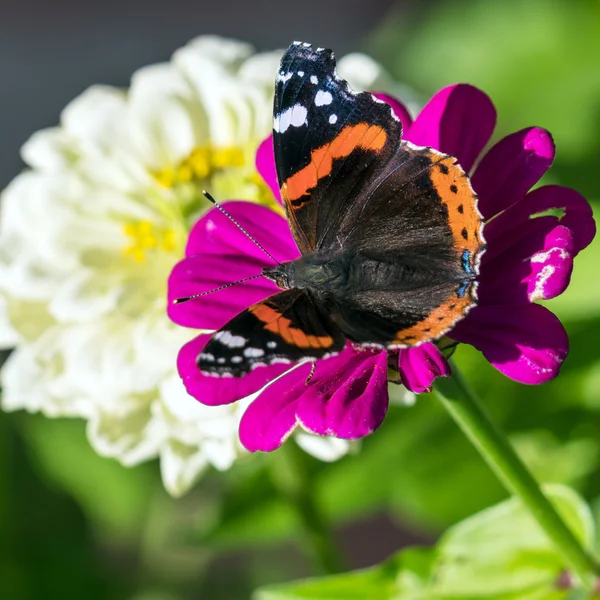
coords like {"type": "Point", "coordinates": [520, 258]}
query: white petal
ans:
{"type": "Point", "coordinates": [361, 71]}
{"type": "Point", "coordinates": [28, 376]}
{"type": "Point", "coordinates": [84, 296]}
{"type": "Point", "coordinates": [327, 449]}
{"type": "Point", "coordinates": [130, 435]}
{"type": "Point", "coordinates": [261, 69]}
{"type": "Point", "coordinates": [400, 396]}
{"type": "Point", "coordinates": [163, 120]}
{"type": "Point", "coordinates": [221, 453]}
{"type": "Point", "coordinates": [95, 118]}
{"type": "Point", "coordinates": [9, 336]}
{"type": "Point", "coordinates": [51, 149]}
{"type": "Point", "coordinates": [223, 50]}
{"type": "Point", "coordinates": [180, 467]}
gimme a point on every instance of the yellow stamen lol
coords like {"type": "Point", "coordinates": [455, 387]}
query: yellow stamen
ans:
{"type": "Point", "coordinates": [202, 162]}
{"type": "Point", "coordinates": [146, 237]}
{"type": "Point", "coordinates": [223, 158]}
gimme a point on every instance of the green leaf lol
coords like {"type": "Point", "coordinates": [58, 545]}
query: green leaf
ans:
{"type": "Point", "coordinates": [502, 552]}
{"type": "Point", "coordinates": [498, 554]}
{"type": "Point", "coordinates": [402, 577]}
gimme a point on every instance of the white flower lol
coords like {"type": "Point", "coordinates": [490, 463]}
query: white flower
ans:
{"type": "Point", "coordinates": [89, 234]}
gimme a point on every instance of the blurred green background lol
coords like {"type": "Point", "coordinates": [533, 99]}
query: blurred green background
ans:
{"type": "Point", "coordinates": [73, 524]}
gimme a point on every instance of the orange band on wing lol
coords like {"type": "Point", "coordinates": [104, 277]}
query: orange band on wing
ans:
{"type": "Point", "coordinates": [276, 323]}
{"type": "Point", "coordinates": [352, 137]}
{"type": "Point", "coordinates": [455, 191]}
{"type": "Point", "coordinates": [438, 321]}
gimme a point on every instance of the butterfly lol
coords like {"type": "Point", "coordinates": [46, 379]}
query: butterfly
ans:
{"type": "Point", "coordinates": [389, 233]}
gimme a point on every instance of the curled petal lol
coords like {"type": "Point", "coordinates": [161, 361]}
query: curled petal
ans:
{"type": "Point", "coordinates": [214, 233]}
{"type": "Point", "coordinates": [551, 268]}
{"type": "Point", "coordinates": [207, 272]}
{"type": "Point", "coordinates": [271, 417]}
{"type": "Point", "coordinates": [537, 265]}
{"type": "Point", "coordinates": [265, 165]}
{"type": "Point", "coordinates": [347, 396]}
{"type": "Point", "coordinates": [214, 391]}
{"type": "Point", "coordinates": [527, 343]}
{"type": "Point", "coordinates": [458, 120]}
{"type": "Point", "coordinates": [575, 213]}
{"type": "Point", "coordinates": [511, 168]}
{"type": "Point", "coordinates": [419, 367]}
{"type": "Point", "coordinates": [399, 109]}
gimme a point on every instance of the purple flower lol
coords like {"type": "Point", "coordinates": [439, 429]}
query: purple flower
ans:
{"type": "Point", "coordinates": [532, 236]}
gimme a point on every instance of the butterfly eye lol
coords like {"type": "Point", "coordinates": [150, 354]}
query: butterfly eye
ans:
{"type": "Point", "coordinates": [279, 275]}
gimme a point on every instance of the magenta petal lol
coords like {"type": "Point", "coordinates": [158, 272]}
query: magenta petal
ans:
{"type": "Point", "coordinates": [347, 396]}
{"type": "Point", "coordinates": [399, 109]}
{"type": "Point", "coordinates": [219, 254]}
{"type": "Point", "coordinates": [219, 390]}
{"type": "Point", "coordinates": [527, 343]}
{"type": "Point", "coordinates": [214, 233]}
{"type": "Point", "coordinates": [511, 168]}
{"type": "Point", "coordinates": [577, 216]}
{"type": "Point", "coordinates": [419, 367]}
{"type": "Point", "coordinates": [271, 417]}
{"type": "Point", "coordinates": [265, 165]}
{"type": "Point", "coordinates": [552, 266]}
{"type": "Point", "coordinates": [207, 272]}
{"type": "Point", "coordinates": [459, 120]}
{"type": "Point", "coordinates": [537, 265]}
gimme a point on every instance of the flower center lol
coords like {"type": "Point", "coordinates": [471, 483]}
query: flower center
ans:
{"type": "Point", "coordinates": [144, 237]}
{"type": "Point", "coordinates": [203, 162]}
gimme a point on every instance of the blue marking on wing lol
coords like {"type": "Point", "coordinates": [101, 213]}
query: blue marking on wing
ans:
{"type": "Point", "coordinates": [462, 288]}
{"type": "Point", "coordinates": [466, 264]}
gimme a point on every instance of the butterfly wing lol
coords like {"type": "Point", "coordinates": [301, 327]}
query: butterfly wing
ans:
{"type": "Point", "coordinates": [286, 327]}
{"type": "Point", "coordinates": [407, 215]}
{"type": "Point", "coordinates": [329, 140]}
{"type": "Point", "coordinates": [419, 217]}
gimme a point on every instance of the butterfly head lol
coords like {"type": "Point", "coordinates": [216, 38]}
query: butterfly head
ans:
{"type": "Point", "coordinates": [321, 274]}
{"type": "Point", "coordinates": [282, 275]}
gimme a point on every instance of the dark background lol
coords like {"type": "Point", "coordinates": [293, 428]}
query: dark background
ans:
{"type": "Point", "coordinates": [51, 50]}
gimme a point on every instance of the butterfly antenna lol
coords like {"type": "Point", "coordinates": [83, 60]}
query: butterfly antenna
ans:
{"type": "Point", "coordinates": [223, 287]}
{"type": "Point", "coordinates": [209, 197]}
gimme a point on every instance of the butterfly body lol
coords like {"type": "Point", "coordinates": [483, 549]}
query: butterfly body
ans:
{"type": "Point", "coordinates": [389, 233]}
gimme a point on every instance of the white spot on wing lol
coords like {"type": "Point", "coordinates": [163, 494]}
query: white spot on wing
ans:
{"type": "Point", "coordinates": [283, 77]}
{"type": "Point", "coordinates": [333, 119]}
{"type": "Point", "coordinates": [294, 117]}
{"type": "Point", "coordinates": [314, 79]}
{"type": "Point", "coordinates": [323, 98]}
{"type": "Point", "coordinates": [236, 359]}
{"type": "Point", "coordinates": [253, 352]}
{"type": "Point", "coordinates": [271, 345]}
{"type": "Point", "coordinates": [231, 341]}
{"type": "Point", "coordinates": [300, 73]}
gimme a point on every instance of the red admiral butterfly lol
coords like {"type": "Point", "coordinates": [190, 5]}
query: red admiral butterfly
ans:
{"type": "Point", "coordinates": [389, 232]}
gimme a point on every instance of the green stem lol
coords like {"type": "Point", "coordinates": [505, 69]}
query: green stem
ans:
{"type": "Point", "coordinates": [465, 408]}
{"type": "Point", "coordinates": [291, 477]}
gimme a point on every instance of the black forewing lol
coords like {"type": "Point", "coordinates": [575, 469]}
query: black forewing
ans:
{"type": "Point", "coordinates": [327, 150]}
{"type": "Point", "coordinates": [286, 327]}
